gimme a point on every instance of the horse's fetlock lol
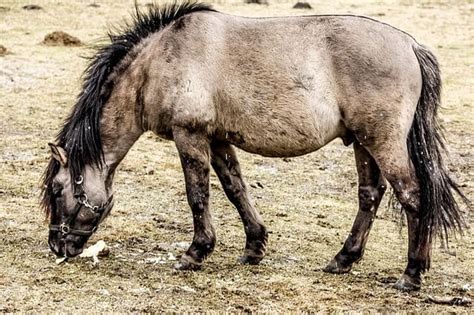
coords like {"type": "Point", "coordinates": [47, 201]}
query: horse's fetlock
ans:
{"type": "Point", "coordinates": [257, 242]}
{"type": "Point", "coordinates": [256, 232]}
{"type": "Point", "coordinates": [415, 267]}
{"type": "Point", "coordinates": [348, 256]}
{"type": "Point", "coordinates": [408, 283]}
{"type": "Point", "coordinates": [202, 247]}
{"type": "Point", "coordinates": [208, 243]}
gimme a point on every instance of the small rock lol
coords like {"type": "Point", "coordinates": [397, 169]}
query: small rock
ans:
{"type": "Point", "coordinates": [61, 38]}
{"type": "Point", "coordinates": [159, 218]}
{"type": "Point", "coordinates": [267, 169]}
{"type": "Point", "coordinates": [32, 7]}
{"type": "Point", "coordinates": [180, 245]}
{"type": "Point", "coordinates": [154, 260]}
{"type": "Point", "coordinates": [257, 1]}
{"type": "Point", "coordinates": [185, 288]}
{"type": "Point", "coordinates": [139, 291]}
{"type": "Point", "coordinates": [302, 5]}
{"type": "Point", "coordinates": [3, 51]}
{"type": "Point", "coordinates": [94, 5]}
{"type": "Point", "coordinates": [149, 171]}
{"type": "Point", "coordinates": [104, 292]}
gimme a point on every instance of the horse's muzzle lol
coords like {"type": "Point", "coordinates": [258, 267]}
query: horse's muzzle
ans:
{"type": "Point", "coordinates": [64, 247]}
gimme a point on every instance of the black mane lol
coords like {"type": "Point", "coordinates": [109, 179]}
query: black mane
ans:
{"type": "Point", "coordinates": [80, 135]}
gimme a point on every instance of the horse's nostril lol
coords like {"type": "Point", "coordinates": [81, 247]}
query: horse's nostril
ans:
{"type": "Point", "coordinates": [56, 246]}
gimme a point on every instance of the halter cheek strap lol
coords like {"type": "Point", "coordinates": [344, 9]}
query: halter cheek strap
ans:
{"type": "Point", "coordinates": [82, 202]}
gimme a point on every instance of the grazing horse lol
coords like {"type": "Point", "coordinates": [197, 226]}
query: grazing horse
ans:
{"type": "Point", "coordinates": [278, 87]}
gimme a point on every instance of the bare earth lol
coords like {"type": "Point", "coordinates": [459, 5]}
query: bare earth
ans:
{"type": "Point", "coordinates": [308, 202]}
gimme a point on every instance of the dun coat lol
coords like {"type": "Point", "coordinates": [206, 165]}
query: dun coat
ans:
{"type": "Point", "coordinates": [277, 87]}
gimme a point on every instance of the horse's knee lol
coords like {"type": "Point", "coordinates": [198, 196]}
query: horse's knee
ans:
{"type": "Point", "coordinates": [370, 196]}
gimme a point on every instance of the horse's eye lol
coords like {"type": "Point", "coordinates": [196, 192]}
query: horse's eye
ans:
{"type": "Point", "coordinates": [57, 188]}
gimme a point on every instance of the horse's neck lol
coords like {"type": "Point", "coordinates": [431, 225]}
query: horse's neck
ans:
{"type": "Point", "coordinates": [119, 126]}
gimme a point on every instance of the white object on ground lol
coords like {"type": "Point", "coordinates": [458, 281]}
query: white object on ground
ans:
{"type": "Point", "coordinates": [94, 251]}
{"type": "Point", "coordinates": [60, 260]}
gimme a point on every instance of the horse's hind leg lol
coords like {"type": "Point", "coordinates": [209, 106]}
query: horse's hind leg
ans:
{"type": "Point", "coordinates": [193, 148]}
{"type": "Point", "coordinates": [225, 163]}
{"type": "Point", "coordinates": [398, 169]}
{"type": "Point", "coordinates": [371, 189]}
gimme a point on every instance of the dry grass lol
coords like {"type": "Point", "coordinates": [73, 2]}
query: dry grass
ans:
{"type": "Point", "coordinates": [308, 202]}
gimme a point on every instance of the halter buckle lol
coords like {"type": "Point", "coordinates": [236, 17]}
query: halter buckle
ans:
{"type": "Point", "coordinates": [64, 228]}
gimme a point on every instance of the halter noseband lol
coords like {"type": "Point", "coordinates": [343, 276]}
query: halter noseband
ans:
{"type": "Point", "coordinates": [65, 228]}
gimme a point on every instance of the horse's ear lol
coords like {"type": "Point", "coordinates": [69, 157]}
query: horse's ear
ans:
{"type": "Point", "coordinates": [59, 154]}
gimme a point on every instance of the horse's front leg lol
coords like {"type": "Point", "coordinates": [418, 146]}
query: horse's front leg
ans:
{"type": "Point", "coordinates": [193, 148]}
{"type": "Point", "coordinates": [225, 163]}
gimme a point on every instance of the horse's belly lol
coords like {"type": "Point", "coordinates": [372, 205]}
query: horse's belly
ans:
{"type": "Point", "coordinates": [285, 136]}
{"type": "Point", "coordinates": [276, 147]}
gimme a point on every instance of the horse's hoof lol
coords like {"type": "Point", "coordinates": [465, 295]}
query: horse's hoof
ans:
{"type": "Point", "coordinates": [187, 263]}
{"type": "Point", "coordinates": [408, 284]}
{"type": "Point", "coordinates": [250, 260]}
{"type": "Point", "coordinates": [335, 267]}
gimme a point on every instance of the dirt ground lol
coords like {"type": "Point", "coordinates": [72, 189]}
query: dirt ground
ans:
{"type": "Point", "coordinates": [307, 202]}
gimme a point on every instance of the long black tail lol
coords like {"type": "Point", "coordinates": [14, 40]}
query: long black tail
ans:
{"type": "Point", "coordinates": [439, 210]}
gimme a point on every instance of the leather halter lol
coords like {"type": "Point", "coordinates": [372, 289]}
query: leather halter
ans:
{"type": "Point", "coordinates": [65, 228]}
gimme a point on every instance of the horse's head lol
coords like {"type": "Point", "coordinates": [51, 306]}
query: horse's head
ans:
{"type": "Point", "coordinates": [76, 206]}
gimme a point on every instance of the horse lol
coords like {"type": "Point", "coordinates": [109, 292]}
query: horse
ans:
{"type": "Point", "coordinates": [278, 87]}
